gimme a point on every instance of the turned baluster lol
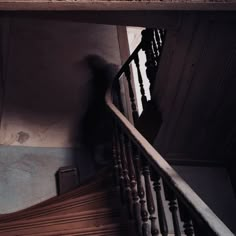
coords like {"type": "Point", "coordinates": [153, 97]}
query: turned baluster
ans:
{"type": "Point", "coordinates": [115, 161]}
{"type": "Point", "coordinates": [159, 36]}
{"type": "Point", "coordinates": [149, 197]}
{"type": "Point", "coordinates": [152, 50]}
{"type": "Point", "coordinates": [131, 95]}
{"type": "Point", "coordinates": [133, 183]}
{"type": "Point", "coordinates": [141, 193]}
{"type": "Point", "coordinates": [158, 39]}
{"type": "Point", "coordinates": [185, 217]}
{"type": "Point", "coordinates": [128, 195]}
{"type": "Point", "coordinates": [162, 34]}
{"type": "Point", "coordinates": [147, 37]}
{"type": "Point", "coordinates": [119, 164]}
{"type": "Point", "coordinates": [170, 196]}
{"type": "Point", "coordinates": [160, 207]}
{"type": "Point", "coordinates": [116, 96]}
{"type": "Point", "coordinates": [140, 80]}
{"type": "Point", "coordinates": [156, 46]}
{"type": "Point", "coordinates": [147, 45]}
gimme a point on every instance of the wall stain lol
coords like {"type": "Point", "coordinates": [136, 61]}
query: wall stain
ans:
{"type": "Point", "coordinates": [22, 137]}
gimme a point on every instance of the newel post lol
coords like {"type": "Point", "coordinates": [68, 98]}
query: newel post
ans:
{"type": "Point", "coordinates": [151, 66]}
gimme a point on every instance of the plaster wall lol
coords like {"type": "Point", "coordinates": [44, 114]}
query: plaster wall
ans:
{"type": "Point", "coordinates": [45, 88]}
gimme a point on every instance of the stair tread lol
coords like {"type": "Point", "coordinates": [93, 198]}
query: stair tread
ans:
{"type": "Point", "coordinates": [75, 215]}
{"type": "Point", "coordinates": [98, 199]}
{"type": "Point", "coordinates": [85, 188]}
{"type": "Point", "coordinates": [85, 211]}
{"type": "Point", "coordinates": [89, 196]}
{"type": "Point", "coordinates": [69, 221]}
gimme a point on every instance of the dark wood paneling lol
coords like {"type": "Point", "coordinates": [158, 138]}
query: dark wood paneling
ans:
{"type": "Point", "coordinates": [195, 89]}
{"type": "Point", "coordinates": [161, 19]}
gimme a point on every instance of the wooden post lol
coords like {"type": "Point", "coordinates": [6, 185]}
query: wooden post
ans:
{"type": "Point", "coordinates": [147, 38]}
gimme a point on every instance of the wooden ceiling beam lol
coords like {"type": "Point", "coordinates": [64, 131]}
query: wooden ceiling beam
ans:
{"type": "Point", "coordinates": [106, 5]}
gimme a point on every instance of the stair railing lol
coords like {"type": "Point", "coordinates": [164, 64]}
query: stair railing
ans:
{"type": "Point", "coordinates": [141, 172]}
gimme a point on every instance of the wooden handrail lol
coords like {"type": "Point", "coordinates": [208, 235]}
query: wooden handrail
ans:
{"type": "Point", "coordinates": [191, 201]}
{"type": "Point", "coordinates": [129, 60]}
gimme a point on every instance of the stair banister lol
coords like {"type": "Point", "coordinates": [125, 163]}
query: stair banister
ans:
{"type": "Point", "coordinates": [192, 201]}
{"type": "Point", "coordinates": [198, 214]}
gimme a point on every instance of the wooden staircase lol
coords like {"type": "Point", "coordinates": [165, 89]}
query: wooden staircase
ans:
{"type": "Point", "coordinates": [149, 187]}
{"type": "Point", "coordinates": [91, 209]}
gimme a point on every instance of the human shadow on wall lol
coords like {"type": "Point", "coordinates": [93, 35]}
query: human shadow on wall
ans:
{"type": "Point", "coordinates": [93, 134]}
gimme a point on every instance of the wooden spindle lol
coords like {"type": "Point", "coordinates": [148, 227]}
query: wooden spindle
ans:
{"type": "Point", "coordinates": [131, 95]}
{"type": "Point", "coordinates": [160, 207]}
{"type": "Point", "coordinates": [149, 197]}
{"type": "Point", "coordinates": [153, 51]}
{"type": "Point", "coordinates": [186, 219]}
{"type": "Point", "coordinates": [162, 33]}
{"type": "Point", "coordinates": [128, 195]}
{"type": "Point", "coordinates": [133, 182]}
{"type": "Point", "coordinates": [156, 47]}
{"type": "Point", "coordinates": [141, 193]}
{"type": "Point", "coordinates": [116, 95]}
{"type": "Point", "coordinates": [158, 40]}
{"type": "Point", "coordinates": [170, 196]}
{"type": "Point", "coordinates": [115, 161]}
{"type": "Point", "coordinates": [140, 80]}
{"type": "Point", "coordinates": [119, 163]}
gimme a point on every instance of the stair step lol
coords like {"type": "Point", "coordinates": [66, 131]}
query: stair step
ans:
{"type": "Point", "coordinates": [100, 181]}
{"type": "Point", "coordinates": [72, 221]}
{"type": "Point", "coordinates": [84, 211]}
{"type": "Point", "coordinates": [88, 202]}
